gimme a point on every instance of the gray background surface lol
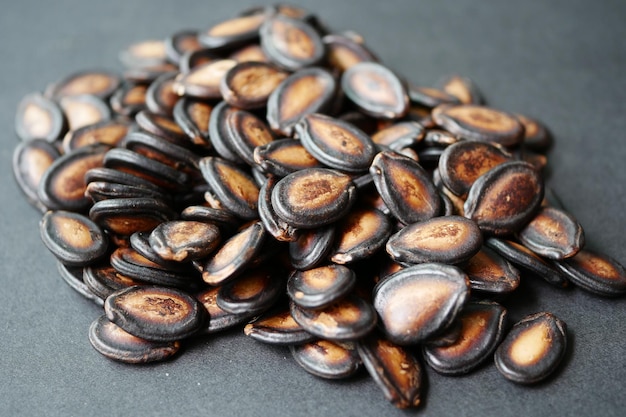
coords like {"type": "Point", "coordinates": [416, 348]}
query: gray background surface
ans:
{"type": "Point", "coordinates": [561, 61]}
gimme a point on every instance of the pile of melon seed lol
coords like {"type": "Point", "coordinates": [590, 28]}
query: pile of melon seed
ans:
{"type": "Point", "coordinates": [272, 175]}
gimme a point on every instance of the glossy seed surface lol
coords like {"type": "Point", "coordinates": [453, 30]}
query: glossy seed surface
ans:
{"type": "Point", "coordinates": [73, 238]}
{"type": "Point", "coordinates": [281, 157]}
{"type": "Point", "coordinates": [399, 135]}
{"type": "Point", "coordinates": [482, 327]}
{"type": "Point", "coordinates": [311, 247]}
{"type": "Point", "coordinates": [155, 313]}
{"type": "Point", "coordinates": [113, 342]}
{"type": "Point", "coordinates": [396, 371]}
{"type": "Point", "coordinates": [595, 272]}
{"type": "Point", "coordinates": [31, 160]}
{"type": "Point", "coordinates": [278, 328]}
{"type": "Point", "coordinates": [38, 117]}
{"type": "Point", "coordinates": [327, 359]}
{"type": "Point", "coordinates": [253, 292]}
{"type": "Point", "coordinates": [553, 234]}
{"type": "Point", "coordinates": [245, 133]}
{"type": "Point", "coordinates": [98, 83]}
{"type": "Point", "coordinates": [103, 280]}
{"type": "Point", "coordinates": [204, 80]}
{"type": "Point", "coordinates": [193, 118]}
{"type": "Point", "coordinates": [248, 85]}
{"type": "Point", "coordinates": [127, 216]}
{"type": "Point", "coordinates": [233, 32]}
{"type": "Point", "coordinates": [489, 272]}
{"type": "Point", "coordinates": [441, 291]}
{"type": "Point", "coordinates": [504, 199]}
{"type": "Point", "coordinates": [321, 286]}
{"type": "Point", "coordinates": [108, 132]}
{"type": "Point", "coordinates": [464, 89]}
{"type": "Point", "coordinates": [73, 277]}
{"type": "Point", "coordinates": [343, 52]}
{"type": "Point", "coordinates": [359, 235]}
{"type": "Point", "coordinates": [276, 226]}
{"type": "Point", "coordinates": [84, 110]}
{"type": "Point", "coordinates": [219, 320]}
{"type": "Point", "coordinates": [532, 349]}
{"type": "Point", "coordinates": [183, 240]}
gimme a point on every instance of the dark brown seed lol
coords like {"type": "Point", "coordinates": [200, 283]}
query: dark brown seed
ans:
{"type": "Point", "coordinates": [155, 313]}
{"type": "Point", "coordinates": [183, 240]}
{"type": "Point", "coordinates": [479, 123]}
{"type": "Point", "coordinates": [107, 132]}
{"type": "Point", "coordinates": [131, 263]}
{"type": "Point", "coordinates": [595, 272]}
{"type": "Point", "coordinates": [73, 276]}
{"type": "Point", "coordinates": [343, 52]}
{"type": "Point", "coordinates": [430, 97]}
{"type": "Point", "coordinates": [440, 290]}
{"type": "Point", "coordinates": [160, 96]}
{"type": "Point", "coordinates": [291, 44]}
{"type": "Point", "coordinates": [539, 161]}
{"type": "Point", "coordinates": [399, 135]}
{"type": "Point", "coordinates": [113, 342]}
{"type": "Point", "coordinates": [204, 80]}
{"type": "Point", "coordinates": [248, 85]}
{"type": "Point", "coordinates": [193, 59]}
{"type": "Point", "coordinates": [98, 191]}
{"type": "Point", "coordinates": [129, 99]}
{"type": "Point", "coordinates": [249, 53]}
{"type": "Point", "coordinates": [505, 198]}
{"type": "Point", "coordinates": [375, 90]}
{"type": "Point", "coordinates": [462, 88]}
{"type": "Point", "coordinates": [233, 33]}
{"type": "Point", "coordinates": [31, 160]}
{"type": "Point", "coordinates": [219, 134]}
{"type": "Point", "coordinates": [98, 83]}
{"type": "Point", "coordinates": [62, 186]}
{"type": "Point", "coordinates": [326, 359]}
{"type": "Point", "coordinates": [283, 156]}
{"type": "Point", "coordinates": [273, 224]}
{"type": "Point", "coordinates": [489, 272]}
{"type": "Point", "coordinates": [73, 238]}
{"type": "Point", "coordinates": [277, 328]}
{"type": "Point", "coordinates": [38, 117]}
{"type": "Point", "coordinates": [193, 118]}
{"type": "Point", "coordinates": [104, 280]}
{"type": "Point", "coordinates": [253, 292]}
{"type": "Point", "coordinates": [553, 234]}
{"type": "Point", "coordinates": [162, 126]}
{"type": "Point", "coordinates": [525, 258]}
{"type": "Point", "coordinates": [140, 242]}
{"type": "Point", "coordinates": [421, 115]}
{"type": "Point", "coordinates": [143, 54]}
{"type": "Point", "coordinates": [145, 75]}
{"type": "Point", "coordinates": [462, 163]}
{"type": "Point", "coordinates": [234, 188]}
{"type": "Point", "coordinates": [313, 197]}
{"type": "Point", "coordinates": [234, 255]}
{"type": "Point", "coordinates": [320, 287]}
{"type": "Point", "coordinates": [218, 319]}
{"type": "Point", "coordinates": [482, 328]}
{"type": "Point", "coordinates": [245, 133]}
{"type": "Point", "coordinates": [359, 235]}
{"type": "Point", "coordinates": [447, 336]}
{"type": "Point", "coordinates": [221, 218]}
{"type": "Point", "coordinates": [536, 135]}
{"type": "Point", "coordinates": [101, 174]}
{"type": "Point", "coordinates": [437, 137]}
{"type": "Point", "coordinates": [449, 239]}
{"type": "Point", "coordinates": [180, 43]}
{"type": "Point", "coordinates": [161, 150]}
{"type": "Point", "coordinates": [336, 143]}
{"type": "Point", "coordinates": [533, 349]}
{"type": "Point", "coordinates": [307, 91]}
{"type": "Point", "coordinates": [397, 373]}
{"type": "Point", "coordinates": [126, 216]}
{"type": "Point", "coordinates": [405, 187]}
{"type": "Point", "coordinates": [84, 110]}
{"type": "Point", "coordinates": [348, 319]}
{"type": "Point", "coordinates": [311, 247]}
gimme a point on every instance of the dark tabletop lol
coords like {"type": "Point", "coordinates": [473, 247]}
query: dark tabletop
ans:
{"type": "Point", "coordinates": [562, 61]}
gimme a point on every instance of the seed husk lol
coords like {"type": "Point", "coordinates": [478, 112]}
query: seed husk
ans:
{"type": "Point", "coordinates": [203, 81]}
{"type": "Point", "coordinates": [180, 43]}
{"type": "Point", "coordinates": [281, 157]}
{"type": "Point", "coordinates": [441, 291]}
{"type": "Point", "coordinates": [320, 287]}
{"type": "Point", "coordinates": [38, 117]}
{"type": "Point", "coordinates": [31, 160]}
{"type": "Point", "coordinates": [462, 163]}
{"type": "Point", "coordinates": [405, 187]}
{"type": "Point", "coordinates": [160, 96]}
{"type": "Point", "coordinates": [480, 123]}
{"type": "Point", "coordinates": [249, 53]}
{"type": "Point", "coordinates": [343, 52]}
{"type": "Point", "coordinates": [107, 132]}
{"type": "Point", "coordinates": [129, 99]}
{"type": "Point", "coordinates": [347, 319]}
{"type": "Point", "coordinates": [99, 190]}
{"type": "Point", "coordinates": [147, 53]}
{"type": "Point", "coordinates": [489, 272]}
{"type": "Point", "coordinates": [394, 369]}
{"type": "Point", "coordinates": [131, 263]}
{"type": "Point", "coordinates": [537, 137]}
{"type": "Point", "coordinates": [375, 90]}
{"type": "Point", "coordinates": [336, 143]}
{"type": "Point", "coordinates": [277, 227]}
{"type": "Point", "coordinates": [525, 258]}
{"type": "Point", "coordinates": [219, 319]}
{"type": "Point", "coordinates": [193, 118]}
{"type": "Point", "coordinates": [310, 90]}
{"type": "Point", "coordinates": [327, 359]}
{"type": "Point", "coordinates": [482, 328]}
{"type": "Point", "coordinates": [595, 272]}
{"type": "Point", "coordinates": [155, 313]}
{"type": "Point", "coordinates": [277, 327]}
{"type": "Point", "coordinates": [62, 186]}
{"type": "Point", "coordinates": [183, 240]}
{"type": "Point", "coordinates": [245, 133]}
{"type": "Point", "coordinates": [126, 216]}
{"type": "Point", "coordinates": [235, 254]}
{"type": "Point", "coordinates": [98, 83]}
{"type": "Point", "coordinates": [140, 242]}
{"type": "Point", "coordinates": [438, 137]}
{"type": "Point", "coordinates": [311, 247]}
{"type": "Point", "coordinates": [161, 150]}
{"type": "Point", "coordinates": [193, 59]}
{"type": "Point", "coordinates": [73, 277]}
{"type": "Point", "coordinates": [399, 135]}
{"type": "Point", "coordinates": [233, 32]}
{"type": "Point", "coordinates": [532, 349]}
{"type": "Point", "coordinates": [248, 85]}
{"type": "Point", "coordinates": [226, 222]}
{"type": "Point", "coordinates": [447, 336]}
{"type": "Point", "coordinates": [103, 280]}
{"type": "Point", "coordinates": [449, 239]}
{"type": "Point", "coordinates": [463, 88]}
{"type": "Point", "coordinates": [102, 174]}
{"type": "Point", "coordinates": [313, 197]}
{"type": "Point", "coordinates": [429, 97]}
{"type": "Point", "coordinates": [145, 75]}
{"type": "Point", "coordinates": [162, 126]}
{"type": "Point", "coordinates": [290, 43]}
{"type": "Point", "coordinates": [505, 198]}
{"type": "Point", "coordinates": [359, 235]}
{"type": "Point", "coordinates": [253, 292]}
{"type": "Point", "coordinates": [553, 234]}
{"type": "Point", "coordinates": [84, 110]}
{"type": "Point", "coordinates": [113, 342]}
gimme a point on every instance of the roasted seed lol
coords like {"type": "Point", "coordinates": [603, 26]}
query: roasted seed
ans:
{"type": "Point", "coordinates": [253, 292]}
{"type": "Point", "coordinates": [143, 54]}
{"type": "Point", "coordinates": [429, 97]}
{"type": "Point", "coordinates": [104, 280]}
{"type": "Point", "coordinates": [180, 43]}
{"type": "Point", "coordinates": [248, 85]}
{"type": "Point", "coordinates": [326, 359]}
{"type": "Point", "coordinates": [277, 328]}
{"type": "Point", "coordinates": [343, 52]}
{"type": "Point", "coordinates": [204, 80]}
{"type": "Point", "coordinates": [84, 110]}
{"type": "Point", "coordinates": [107, 132]}
{"type": "Point", "coordinates": [245, 133]}
{"type": "Point", "coordinates": [126, 216]}
{"type": "Point", "coordinates": [311, 247]}
{"type": "Point", "coordinates": [193, 118]}
{"type": "Point", "coordinates": [464, 89]}
{"type": "Point", "coordinates": [131, 263]}
{"type": "Point", "coordinates": [489, 272]}
{"type": "Point", "coordinates": [73, 276]}
{"type": "Point", "coordinates": [129, 99]}
{"type": "Point", "coordinates": [277, 227]}
{"type": "Point", "coordinates": [399, 135]}
{"type": "Point", "coordinates": [536, 135]}
{"type": "Point", "coordinates": [183, 240]}
{"type": "Point", "coordinates": [553, 234]}
{"type": "Point", "coordinates": [283, 156]}
{"type": "Point", "coordinates": [218, 319]}
{"type": "Point", "coordinates": [38, 117]}
{"type": "Point", "coordinates": [160, 96]}
{"type": "Point", "coordinates": [162, 126]}
{"type": "Point", "coordinates": [98, 83]}
{"type": "Point", "coordinates": [359, 235]}
{"type": "Point", "coordinates": [233, 32]}
{"type": "Point", "coordinates": [31, 160]}
{"type": "Point", "coordinates": [595, 272]}
{"type": "Point", "coordinates": [320, 287]}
